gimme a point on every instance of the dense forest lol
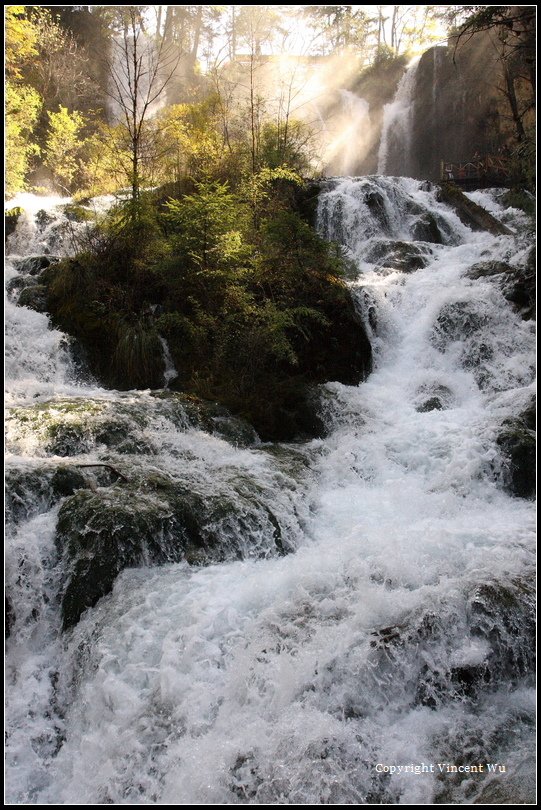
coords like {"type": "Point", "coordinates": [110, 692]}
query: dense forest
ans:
{"type": "Point", "coordinates": [98, 94]}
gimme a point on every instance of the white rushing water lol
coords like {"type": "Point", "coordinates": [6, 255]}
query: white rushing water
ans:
{"type": "Point", "coordinates": [396, 133]}
{"type": "Point", "coordinates": [398, 628]}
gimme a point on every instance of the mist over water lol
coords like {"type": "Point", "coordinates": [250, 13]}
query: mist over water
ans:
{"type": "Point", "coordinates": [397, 627]}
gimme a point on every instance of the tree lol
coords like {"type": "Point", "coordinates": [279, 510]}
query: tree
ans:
{"type": "Point", "coordinates": [63, 146]}
{"type": "Point", "coordinates": [140, 69]}
{"type": "Point", "coordinates": [513, 33]}
{"type": "Point", "coordinates": [23, 102]}
{"type": "Point", "coordinates": [206, 225]}
{"type": "Point", "coordinates": [340, 27]}
{"type": "Point", "coordinates": [61, 71]}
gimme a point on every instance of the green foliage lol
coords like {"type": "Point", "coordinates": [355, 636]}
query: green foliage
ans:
{"type": "Point", "coordinates": [23, 103]}
{"type": "Point", "coordinates": [23, 106]}
{"type": "Point", "coordinates": [21, 39]}
{"type": "Point", "coordinates": [253, 312]}
{"type": "Point", "coordinates": [137, 357]}
{"type": "Point", "coordinates": [206, 227]}
{"type": "Point", "coordinates": [64, 145]}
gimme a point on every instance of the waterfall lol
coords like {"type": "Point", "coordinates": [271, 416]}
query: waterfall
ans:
{"type": "Point", "coordinates": [396, 134]}
{"type": "Point", "coordinates": [38, 358]}
{"type": "Point", "coordinates": [170, 373]}
{"type": "Point", "coordinates": [287, 624]}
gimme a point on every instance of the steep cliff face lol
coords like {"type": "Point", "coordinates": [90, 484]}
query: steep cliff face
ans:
{"type": "Point", "coordinates": [454, 102]}
{"type": "Point", "coordinates": [458, 108]}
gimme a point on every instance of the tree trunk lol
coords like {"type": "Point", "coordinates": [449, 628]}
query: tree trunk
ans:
{"type": "Point", "coordinates": [393, 26]}
{"type": "Point", "coordinates": [233, 39]}
{"type": "Point", "coordinates": [512, 98]}
{"type": "Point", "coordinates": [196, 38]}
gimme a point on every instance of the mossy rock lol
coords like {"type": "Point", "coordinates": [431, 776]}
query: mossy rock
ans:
{"type": "Point", "coordinates": [74, 426]}
{"type": "Point", "coordinates": [469, 213]}
{"type": "Point", "coordinates": [78, 213]}
{"type": "Point", "coordinates": [517, 443]}
{"type": "Point", "coordinates": [519, 198]}
{"type": "Point", "coordinates": [34, 297]}
{"type": "Point", "coordinates": [101, 533]}
{"type": "Point", "coordinates": [34, 265]}
{"type": "Point", "coordinates": [61, 426]}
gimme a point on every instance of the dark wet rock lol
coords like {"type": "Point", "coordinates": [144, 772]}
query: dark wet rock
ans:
{"type": "Point", "coordinates": [467, 679]}
{"type": "Point", "coordinates": [426, 229]}
{"type": "Point", "coordinates": [488, 269]}
{"type": "Point", "coordinates": [67, 480]}
{"type": "Point", "coordinates": [519, 287]}
{"type": "Point", "coordinates": [33, 265]}
{"type": "Point", "coordinates": [34, 297]}
{"type": "Point", "coordinates": [434, 397]}
{"type": "Point", "coordinates": [517, 443]}
{"type": "Point", "coordinates": [457, 320]}
{"type": "Point", "coordinates": [19, 283]}
{"type": "Point", "coordinates": [518, 284]}
{"type": "Point", "coordinates": [44, 219]}
{"type": "Point", "coordinates": [432, 404]}
{"type": "Point", "coordinates": [188, 410]}
{"type": "Point", "coordinates": [235, 431]}
{"type": "Point", "coordinates": [503, 614]}
{"type": "Point", "coordinates": [376, 204]}
{"type": "Point", "coordinates": [403, 256]}
{"type": "Point", "coordinates": [27, 492]}
{"type": "Point", "coordinates": [471, 214]}
{"type": "Point", "coordinates": [32, 490]}
{"type": "Point", "coordinates": [11, 218]}
{"type": "Point", "coordinates": [519, 198]}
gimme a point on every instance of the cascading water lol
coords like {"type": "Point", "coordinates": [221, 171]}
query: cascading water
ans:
{"type": "Point", "coordinates": [170, 373]}
{"type": "Point", "coordinates": [397, 631]}
{"type": "Point", "coordinates": [394, 153]}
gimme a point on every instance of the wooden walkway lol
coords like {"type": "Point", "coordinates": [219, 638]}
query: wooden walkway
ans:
{"type": "Point", "coordinates": [491, 170]}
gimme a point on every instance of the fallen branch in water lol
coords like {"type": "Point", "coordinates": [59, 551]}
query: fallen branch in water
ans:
{"type": "Point", "coordinates": [109, 467]}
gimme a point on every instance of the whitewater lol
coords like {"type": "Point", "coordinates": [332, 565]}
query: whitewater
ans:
{"type": "Point", "coordinates": [393, 626]}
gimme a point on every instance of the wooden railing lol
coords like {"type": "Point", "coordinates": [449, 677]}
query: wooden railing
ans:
{"type": "Point", "coordinates": [489, 168]}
